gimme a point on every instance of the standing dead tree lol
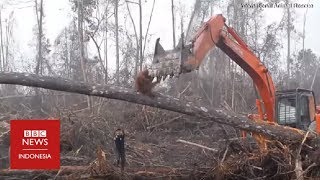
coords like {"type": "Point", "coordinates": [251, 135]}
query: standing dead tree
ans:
{"type": "Point", "coordinates": [137, 40]}
{"type": "Point", "coordinates": [39, 13]}
{"type": "Point", "coordinates": [83, 60]}
{"type": "Point", "coordinates": [39, 56]}
{"type": "Point", "coordinates": [173, 25]}
{"type": "Point", "coordinates": [1, 41]}
{"type": "Point", "coordinates": [116, 19]}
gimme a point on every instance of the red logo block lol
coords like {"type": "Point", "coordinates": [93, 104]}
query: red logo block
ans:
{"type": "Point", "coordinates": [35, 144]}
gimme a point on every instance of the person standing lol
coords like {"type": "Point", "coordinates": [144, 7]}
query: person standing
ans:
{"type": "Point", "coordinates": [119, 146]}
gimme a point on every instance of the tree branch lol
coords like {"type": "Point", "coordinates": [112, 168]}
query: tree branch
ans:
{"type": "Point", "coordinates": [198, 145]}
{"type": "Point", "coordinates": [150, 18]}
{"type": "Point", "coordinates": [99, 53]}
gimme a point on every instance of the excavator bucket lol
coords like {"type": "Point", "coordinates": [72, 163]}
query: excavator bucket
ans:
{"type": "Point", "coordinates": [170, 62]}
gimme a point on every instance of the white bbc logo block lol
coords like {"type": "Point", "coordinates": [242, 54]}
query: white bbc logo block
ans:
{"type": "Point", "coordinates": [27, 133]}
{"type": "Point", "coordinates": [35, 133]}
{"type": "Point", "coordinates": [42, 133]}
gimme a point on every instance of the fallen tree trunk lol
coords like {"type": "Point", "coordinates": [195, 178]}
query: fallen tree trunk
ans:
{"type": "Point", "coordinates": [280, 133]}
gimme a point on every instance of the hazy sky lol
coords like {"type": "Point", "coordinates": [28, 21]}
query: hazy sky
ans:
{"type": "Point", "coordinates": [58, 15]}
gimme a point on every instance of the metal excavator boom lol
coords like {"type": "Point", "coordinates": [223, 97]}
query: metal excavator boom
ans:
{"type": "Point", "coordinates": [215, 33]}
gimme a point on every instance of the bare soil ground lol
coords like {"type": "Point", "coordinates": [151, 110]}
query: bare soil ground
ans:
{"type": "Point", "coordinates": [152, 150]}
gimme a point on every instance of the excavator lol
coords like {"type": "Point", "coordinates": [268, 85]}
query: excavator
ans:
{"type": "Point", "coordinates": [295, 108]}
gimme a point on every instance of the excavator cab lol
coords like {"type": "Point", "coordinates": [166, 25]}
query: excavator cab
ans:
{"type": "Point", "coordinates": [296, 108]}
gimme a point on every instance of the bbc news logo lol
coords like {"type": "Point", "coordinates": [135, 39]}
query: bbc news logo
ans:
{"type": "Point", "coordinates": [35, 144]}
{"type": "Point", "coordinates": [35, 137]}
{"type": "Point", "coordinates": [35, 133]}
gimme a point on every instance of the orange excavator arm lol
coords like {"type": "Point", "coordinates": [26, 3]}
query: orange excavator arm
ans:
{"type": "Point", "coordinates": [215, 33]}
